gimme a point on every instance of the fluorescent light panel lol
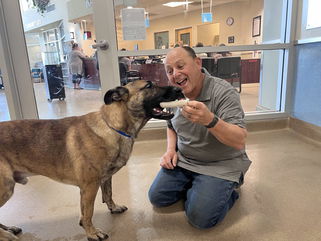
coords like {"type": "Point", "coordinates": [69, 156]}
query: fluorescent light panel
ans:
{"type": "Point", "coordinates": [176, 4]}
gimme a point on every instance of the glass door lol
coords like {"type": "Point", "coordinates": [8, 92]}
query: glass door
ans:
{"type": "Point", "coordinates": [4, 110]}
{"type": "Point", "coordinates": [142, 42]}
{"type": "Point", "coordinates": [63, 64]}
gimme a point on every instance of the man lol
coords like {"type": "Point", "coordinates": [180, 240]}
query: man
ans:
{"type": "Point", "coordinates": [205, 159]}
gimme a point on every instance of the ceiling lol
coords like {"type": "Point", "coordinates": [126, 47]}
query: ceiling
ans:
{"type": "Point", "coordinates": [156, 9]}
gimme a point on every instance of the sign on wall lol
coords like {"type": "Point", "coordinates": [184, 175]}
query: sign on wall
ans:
{"type": "Point", "coordinates": [133, 23]}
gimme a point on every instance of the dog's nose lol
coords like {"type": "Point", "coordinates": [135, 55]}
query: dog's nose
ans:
{"type": "Point", "coordinates": [177, 90]}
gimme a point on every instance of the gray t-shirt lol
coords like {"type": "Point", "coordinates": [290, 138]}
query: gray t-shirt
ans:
{"type": "Point", "coordinates": [198, 150]}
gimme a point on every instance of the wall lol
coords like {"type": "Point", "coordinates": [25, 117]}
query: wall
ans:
{"type": "Point", "coordinates": [307, 84]}
{"type": "Point", "coordinates": [208, 33]}
{"type": "Point", "coordinates": [242, 12]}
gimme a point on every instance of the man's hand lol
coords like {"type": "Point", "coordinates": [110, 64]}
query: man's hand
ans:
{"type": "Point", "coordinates": [197, 112]}
{"type": "Point", "coordinates": [169, 160]}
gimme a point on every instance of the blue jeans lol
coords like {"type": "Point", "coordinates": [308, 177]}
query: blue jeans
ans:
{"type": "Point", "coordinates": [207, 198]}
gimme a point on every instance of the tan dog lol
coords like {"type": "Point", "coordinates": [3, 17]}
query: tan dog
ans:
{"type": "Point", "coordinates": [84, 151]}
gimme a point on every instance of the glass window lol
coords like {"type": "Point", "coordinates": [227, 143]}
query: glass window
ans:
{"type": "Point", "coordinates": [313, 18]}
{"type": "Point", "coordinates": [50, 36]}
{"type": "Point", "coordinates": [256, 74]}
{"type": "Point", "coordinates": [4, 111]}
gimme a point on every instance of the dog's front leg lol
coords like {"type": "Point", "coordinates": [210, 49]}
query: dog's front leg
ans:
{"type": "Point", "coordinates": [87, 199]}
{"type": "Point", "coordinates": [106, 189]}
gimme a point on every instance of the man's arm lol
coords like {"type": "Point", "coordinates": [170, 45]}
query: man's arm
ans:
{"type": "Point", "coordinates": [227, 133]}
{"type": "Point", "coordinates": [169, 159]}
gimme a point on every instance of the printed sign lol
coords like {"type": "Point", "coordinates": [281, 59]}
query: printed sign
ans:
{"type": "Point", "coordinates": [133, 23]}
{"type": "Point", "coordinates": [207, 17]}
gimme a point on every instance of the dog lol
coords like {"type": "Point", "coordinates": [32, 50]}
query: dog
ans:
{"type": "Point", "coordinates": [84, 151]}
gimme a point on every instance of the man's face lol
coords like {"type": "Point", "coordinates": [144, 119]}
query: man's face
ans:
{"type": "Point", "coordinates": [184, 71]}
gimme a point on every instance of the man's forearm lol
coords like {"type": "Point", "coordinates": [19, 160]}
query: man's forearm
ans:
{"type": "Point", "coordinates": [171, 140]}
{"type": "Point", "coordinates": [229, 134]}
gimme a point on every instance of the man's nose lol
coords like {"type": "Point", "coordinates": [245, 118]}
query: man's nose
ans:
{"type": "Point", "coordinates": [175, 72]}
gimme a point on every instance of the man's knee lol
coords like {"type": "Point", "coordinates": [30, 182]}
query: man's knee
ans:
{"type": "Point", "coordinates": [201, 217]}
{"type": "Point", "coordinates": [201, 221]}
{"type": "Point", "coordinates": [157, 199]}
{"type": "Point", "coordinates": [161, 199]}
{"type": "Point", "coordinates": [153, 197]}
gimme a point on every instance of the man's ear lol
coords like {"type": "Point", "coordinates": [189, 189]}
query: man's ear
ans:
{"type": "Point", "coordinates": [117, 94]}
{"type": "Point", "coordinates": [198, 61]}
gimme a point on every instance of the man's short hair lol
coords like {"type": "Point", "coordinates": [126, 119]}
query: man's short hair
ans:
{"type": "Point", "coordinates": [190, 51]}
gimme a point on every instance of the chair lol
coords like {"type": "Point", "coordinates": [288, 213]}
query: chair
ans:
{"type": "Point", "coordinates": [229, 68]}
{"type": "Point", "coordinates": [123, 73]}
{"type": "Point", "coordinates": [133, 75]}
{"type": "Point", "coordinates": [126, 75]}
{"type": "Point", "coordinates": [210, 65]}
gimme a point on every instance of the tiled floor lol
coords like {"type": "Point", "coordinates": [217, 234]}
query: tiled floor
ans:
{"type": "Point", "coordinates": [80, 102]}
{"type": "Point", "coordinates": [280, 200]}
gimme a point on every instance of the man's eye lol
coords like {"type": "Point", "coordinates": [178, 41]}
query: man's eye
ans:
{"type": "Point", "coordinates": [169, 71]}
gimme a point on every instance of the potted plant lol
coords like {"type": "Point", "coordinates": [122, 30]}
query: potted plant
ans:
{"type": "Point", "coordinates": [40, 5]}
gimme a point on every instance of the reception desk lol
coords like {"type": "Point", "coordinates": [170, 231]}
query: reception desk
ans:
{"type": "Point", "coordinates": [154, 72]}
{"type": "Point", "coordinates": [250, 70]}
{"type": "Point", "coordinates": [91, 78]}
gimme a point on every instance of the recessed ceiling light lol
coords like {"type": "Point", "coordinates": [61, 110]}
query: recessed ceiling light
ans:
{"type": "Point", "coordinates": [176, 4]}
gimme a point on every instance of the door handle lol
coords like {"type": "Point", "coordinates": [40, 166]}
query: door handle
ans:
{"type": "Point", "coordinates": [102, 44]}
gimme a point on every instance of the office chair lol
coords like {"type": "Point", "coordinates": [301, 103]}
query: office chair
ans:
{"type": "Point", "coordinates": [126, 75]}
{"type": "Point", "coordinates": [229, 68]}
{"type": "Point", "coordinates": [122, 73]}
{"type": "Point", "coordinates": [210, 65]}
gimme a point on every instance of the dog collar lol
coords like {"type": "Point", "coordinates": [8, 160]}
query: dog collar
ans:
{"type": "Point", "coordinates": [121, 132]}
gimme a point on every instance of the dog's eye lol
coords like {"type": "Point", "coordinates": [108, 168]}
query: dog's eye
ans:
{"type": "Point", "coordinates": [148, 85]}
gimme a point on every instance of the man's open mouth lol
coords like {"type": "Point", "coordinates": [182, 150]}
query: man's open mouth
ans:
{"type": "Point", "coordinates": [182, 82]}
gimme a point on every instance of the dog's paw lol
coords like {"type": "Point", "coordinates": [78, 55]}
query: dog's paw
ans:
{"type": "Point", "coordinates": [98, 236]}
{"type": "Point", "coordinates": [15, 230]}
{"type": "Point", "coordinates": [7, 236]}
{"type": "Point", "coordinates": [118, 209]}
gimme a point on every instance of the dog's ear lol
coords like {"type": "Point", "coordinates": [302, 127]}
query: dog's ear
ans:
{"type": "Point", "coordinates": [117, 94]}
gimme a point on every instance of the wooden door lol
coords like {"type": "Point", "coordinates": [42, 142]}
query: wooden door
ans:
{"type": "Point", "coordinates": [184, 36]}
